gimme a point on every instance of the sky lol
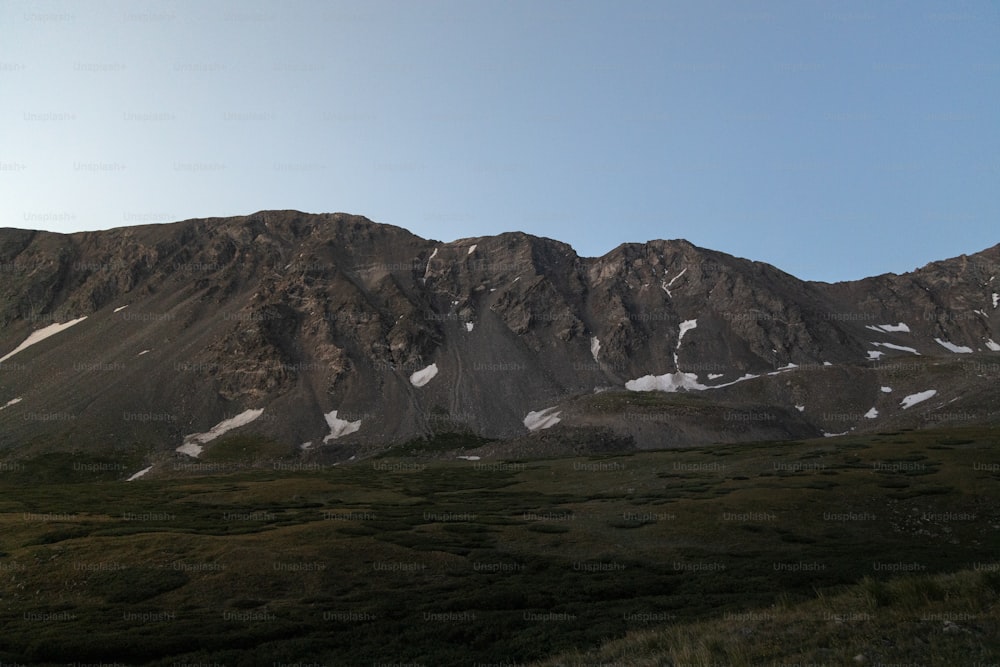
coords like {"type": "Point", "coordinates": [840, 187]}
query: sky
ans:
{"type": "Point", "coordinates": [835, 140]}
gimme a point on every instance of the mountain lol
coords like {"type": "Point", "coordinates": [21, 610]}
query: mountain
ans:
{"type": "Point", "coordinates": [330, 336]}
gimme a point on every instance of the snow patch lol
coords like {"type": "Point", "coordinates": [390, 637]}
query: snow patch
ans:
{"type": "Point", "coordinates": [886, 390]}
{"type": "Point", "coordinates": [961, 349]}
{"type": "Point", "coordinates": [827, 363]}
{"type": "Point", "coordinates": [339, 427]}
{"type": "Point", "coordinates": [190, 448]}
{"type": "Point", "coordinates": [672, 382]}
{"type": "Point", "coordinates": [424, 375]}
{"type": "Point", "coordinates": [901, 348]}
{"type": "Point", "coordinates": [992, 345]}
{"type": "Point", "coordinates": [996, 299]}
{"type": "Point", "coordinates": [41, 335]}
{"type": "Point", "coordinates": [472, 248]}
{"type": "Point", "coordinates": [669, 382]}
{"type": "Point", "coordinates": [193, 443]}
{"type": "Point", "coordinates": [306, 445]}
{"type": "Point", "coordinates": [871, 414]}
{"type": "Point", "coordinates": [433, 254]}
{"type": "Point", "coordinates": [834, 435]}
{"type": "Point", "coordinates": [120, 308]}
{"type": "Point", "coordinates": [595, 347]}
{"type": "Point", "coordinates": [468, 458]}
{"type": "Point", "coordinates": [800, 408]}
{"type": "Point", "coordinates": [873, 355]}
{"type": "Point", "coordinates": [469, 326]}
{"type": "Point", "coordinates": [913, 399]}
{"type": "Point", "coordinates": [13, 401]}
{"type": "Point", "coordinates": [713, 376]}
{"type": "Point", "coordinates": [534, 421]}
{"type": "Point", "coordinates": [139, 474]}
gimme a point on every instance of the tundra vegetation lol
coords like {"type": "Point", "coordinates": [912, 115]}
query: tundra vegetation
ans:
{"type": "Point", "coordinates": [883, 546]}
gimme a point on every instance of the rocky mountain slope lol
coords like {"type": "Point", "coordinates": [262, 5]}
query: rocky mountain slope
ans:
{"type": "Point", "coordinates": [335, 337]}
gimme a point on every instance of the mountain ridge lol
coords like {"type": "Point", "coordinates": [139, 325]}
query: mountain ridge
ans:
{"type": "Point", "coordinates": [334, 325]}
{"type": "Point", "coordinates": [260, 215]}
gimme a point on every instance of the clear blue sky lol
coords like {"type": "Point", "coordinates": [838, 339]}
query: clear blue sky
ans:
{"type": "Point", "coordinates": [833, 139]}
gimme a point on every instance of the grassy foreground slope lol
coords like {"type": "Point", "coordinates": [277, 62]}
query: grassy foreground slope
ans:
{"type": "Point", "coordinates": [705, 556]}
{"type": "Point", "coordinates": [946, 619]}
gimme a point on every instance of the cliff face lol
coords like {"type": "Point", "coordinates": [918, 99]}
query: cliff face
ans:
{"type": "Point", "coordinates": [301, 315]}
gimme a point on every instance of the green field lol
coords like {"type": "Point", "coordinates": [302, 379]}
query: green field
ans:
{"type": "Point", "coordinates": [772, 553]}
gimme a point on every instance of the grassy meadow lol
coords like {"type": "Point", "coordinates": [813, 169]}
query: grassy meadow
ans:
{"type": "Point", "coordinates": [816, 552]}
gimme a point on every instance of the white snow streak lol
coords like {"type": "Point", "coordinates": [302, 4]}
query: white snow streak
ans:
{"type": "Point", "coordinates": [424, 375]}
{"type": "Point", "coordinates": [913, 399]}
{"type": "Point", "coordinates": [595, 347]}
{"type": "Point", "coordinates": [961, 349]}
{"type": "Point", "coordinates": [886, 390]}
{"type": "Point", "coordinates": [666, 286]}
{"type": "Point", "coordinates": [468, 458]}
{"type": "Point", "coordinates": [116, 310]}
{"type": "Point", "coordinates": [889, 328]}
{"type": "Point", "coordinates": [139, 474]}
{"type": "Point", "coordinates": [686, 326]}
{"type": "Point", "coordinates": [13, 401]}
{"type": "Point", "coordinates": [871, 414]}
{"type": "Point", "coordinates": [996, 299]}
{"type": "Point", "coordinates": [534, 421]}
{"type": "Point", "coordinates": [800, 408]}
{"type": "Point", "coordinates": [193, 443]}
{"type": "Point", "coordinates": [41, 335]}
{"type": "Point", "coordinates": [901, 348]}
{"type": "Point", "coordinates": [748, 376]}
{"type": "Point", "coordinates": [873, 355]}
{"type": "Point", "coordinates": [992, 345]}
{"type": "Point", "coordinates": [472, 248]}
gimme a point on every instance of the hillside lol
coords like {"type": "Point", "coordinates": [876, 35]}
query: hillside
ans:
{"type": "Point", "coordinates": [330, 336]}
